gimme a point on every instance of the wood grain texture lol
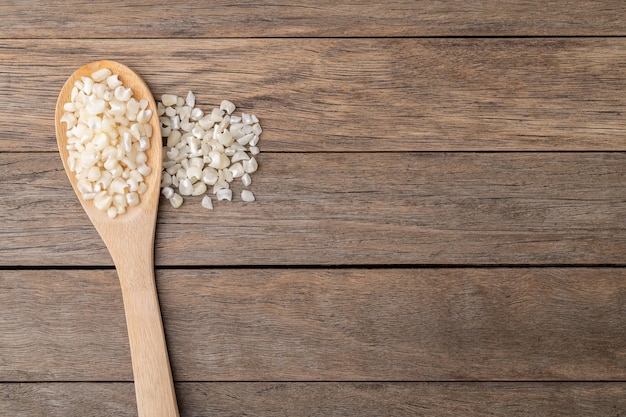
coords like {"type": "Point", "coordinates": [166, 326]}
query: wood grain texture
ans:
{"type": "Point", "coordinates": [464, 324]}
{"type": "Point", "coordinates": [349, 208]}
{"type": "Point", "coordinates": [325, 399]}
{"type": "Point", "coordinates": [439, 250]}
{"type": "Point", "coordinates": [354, 94]}
{"type": "Point", "coordinates": [290, 18]}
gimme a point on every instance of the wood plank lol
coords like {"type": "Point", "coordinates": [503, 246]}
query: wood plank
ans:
{"type": "Point", "coordinates": [518, 324]}
{"type": "Point", "coordinates": [68, 399]}
{"type": "Point", "coordinates": [350, 208]}
{"type": "Point", "coordinates": [289, 18]}
{"type": "Point", "coordinates": [354, 94]}
{"type": "Point", "coordinates": [324, 399]}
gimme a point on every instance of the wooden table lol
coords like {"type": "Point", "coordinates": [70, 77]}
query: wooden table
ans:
{"type": "Point", "coordinates": [439, 226]}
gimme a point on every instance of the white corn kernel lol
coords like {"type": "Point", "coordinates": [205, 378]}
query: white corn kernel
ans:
{"type": "Point", "coordinates": [144, 143]}
{"type": "Point", "coordinates": [246, 180]}
{"type": "Point", "coordinates": [113, 82]}
{"type": "Point", "coordinates": [118, 186]}
{"type": "Point", "coordinates": [69, 119]}
{"type": "Point", "coordinates": [209, 176]}
{"type": "Point", "coordinates": [218, 160]}
{"type": "Point", "coordinates": [133, 185]}
{"type": "Point", "coordinates": [144, 116]}
{"type": "Point", "coordinates": [168, 192]}
{"type": "Point", "coordinates": [207, 203]}
{"type": "Point", "coordinates": [141, 157]}
{"type": "Point", "coordinates": [237, 170]}
{"type": "Point", "coordinates": [191, 99]}
{"type": "Point", "coordinates": [166, 179]}
{"type": "Point", "coordinates": [206, 122]}
{"type": "Point", "coordinates": [122, 94]}
{"type": "Point", "coordinates": [185, 187]}
{"type": "Point", "coordinates": [170, 112]}
{"type": "Point", "coordinates": [102, 201]}
{"type": "Point", "coordinates": [176, 201]}
{"type": "Point", "coordinates": [144, 170]}
{"type": "Point", "coordinates": [246, 119]}
{"type": "Point", "coordinates": [247, 195]}
{"type": "Point", "coordinates": [240, 156]}
{"type": "Point", "coordinates": [132, 198]}
{"type": "Point", "coordinates": [224, 194]}
{"type": "Point", "coordinates": [112, 212]}
{"type": "Point", "coordinates": [227, 106]}
{"type": "Point", "coordinates": [160, 109]}
{"type": "Point", "coordinates": [176, 122]}
{"type": "Point", "coordinates": [250, 166]}
{"type": "Point", "coordinates": [174, 138]}
{"type": "Point", "coordinates": [220, 185]}
{"type": "Point", "coordinates": [101, 74]}
{"type": "Point", "coordinates": [245, 139]}
{"type": "Point", "coordinates": [196, 114]}
{"type": "Point", "coordinates": [228, 175]}
{"type": "Point", "coordinates": [194, 174]}
{"type": "Point", "coordinates": [93, 174]}
{"type": "Point", "coordinates": [217, 115]}
{"type": "Point", "coordinates": [119, 200]}
{"type": "Point", "coordinates": [199, 188]}
{"type": "Point", "coordinates": [84, 186]}
{"type": "Point", "coordinates": [169, 99]}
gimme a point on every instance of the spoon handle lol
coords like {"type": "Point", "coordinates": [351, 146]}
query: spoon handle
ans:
{"type": "Point", "coordinates": [154, 386]}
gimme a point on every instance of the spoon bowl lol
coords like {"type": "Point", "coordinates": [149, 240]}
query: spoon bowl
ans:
{"type": "Point", "coordinates": [147, 210]}
{"type": "Point", "coordinates": [130, 240]}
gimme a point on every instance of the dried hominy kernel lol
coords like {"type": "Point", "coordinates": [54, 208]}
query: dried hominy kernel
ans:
{"type": "Point", "coordinates": [246, 195]}
{"type": "Point", "coordinates": [207, 203]}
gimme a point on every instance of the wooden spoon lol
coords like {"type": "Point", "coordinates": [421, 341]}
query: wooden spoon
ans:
{"type": "Point", "coordinates": [130, 241]}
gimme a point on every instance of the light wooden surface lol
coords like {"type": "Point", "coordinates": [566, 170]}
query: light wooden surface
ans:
{"type": "Point", "coordinates": [305, 324]}
{"type": "Point", "coordinates": [292, 18]}
{"type": "Point", "coordinates": [287, 399]}
{"type": "Point", "coordinates": [352, 208]}
{"type": "Point", "coordinates": [438, 227]}
{"type": "Point", "coordinates": [357, 95]}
